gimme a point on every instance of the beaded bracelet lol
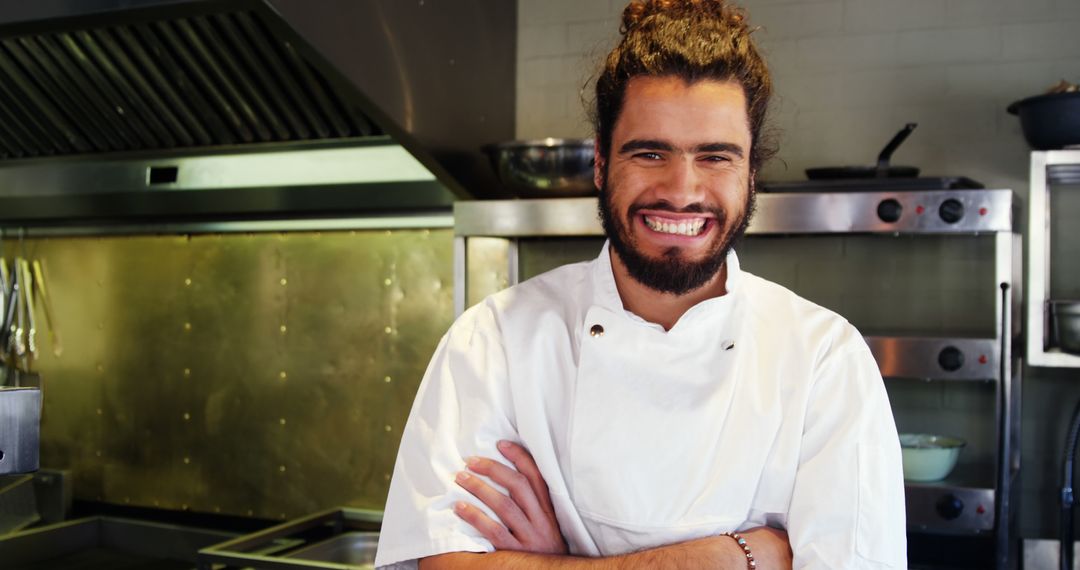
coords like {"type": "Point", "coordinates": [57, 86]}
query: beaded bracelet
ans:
{"type": "Point", "coordinates": [751, 564]}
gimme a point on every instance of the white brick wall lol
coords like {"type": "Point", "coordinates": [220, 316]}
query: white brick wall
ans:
{"type": "Point", "coordinates": [849, 74]}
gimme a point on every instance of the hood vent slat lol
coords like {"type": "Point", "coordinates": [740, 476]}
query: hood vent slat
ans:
{"type": "Point", "coordinates": [205, 80]}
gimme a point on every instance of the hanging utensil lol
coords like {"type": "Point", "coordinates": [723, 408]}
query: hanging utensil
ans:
{"type": "Point", "coordinates": [881, 170]}
{"type": "Point", "coordinates": [28, 293]}
{"type": "Point", "coordinates": [46, 303]}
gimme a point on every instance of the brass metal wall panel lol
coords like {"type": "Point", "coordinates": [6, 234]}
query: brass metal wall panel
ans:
{"type": "Point", "coordinates": [264, 375]}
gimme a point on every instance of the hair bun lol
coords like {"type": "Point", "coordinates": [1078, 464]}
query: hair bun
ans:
{"type": "Point", "coordinates": [640, 10]}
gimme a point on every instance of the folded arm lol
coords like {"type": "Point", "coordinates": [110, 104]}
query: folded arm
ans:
{"type": "Point", "coordinates": [531, 537]}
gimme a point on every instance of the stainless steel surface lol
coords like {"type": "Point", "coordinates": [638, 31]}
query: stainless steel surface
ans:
{"type": "Point", "coordinates": [1044, 553]}
{"type": "Point", "coordinates": [256, 550]}
{"type": "Point", "coordinates": [20, 417]}
{"type": "Point", "coordinates": [545, 168]}
{"type": "Point", "coordinates": [923, 501]}
{"type": "Point", "coordinates": [268, 345]}
{"type": "Point", "coordinates": [399, 221]}
{"type": "Point", "coordinates": [1039, 352]}
{"type": "Point", "coordinates": [920, 358]}
{"type": "Point", "coordinates": [351, 548]}
{"type": "Point", "coordinates": [83, 77]}
{"type": "Point", "coordinates": [1065, 316]}
{"type": "Point", "coordinates": [18, 507]}
{"type": "Point", "coordinates": [148, 540]}
{"type": "Point", "coordinates": [324, 179]}
{"type": "Point", "coordinates": [984, 211]}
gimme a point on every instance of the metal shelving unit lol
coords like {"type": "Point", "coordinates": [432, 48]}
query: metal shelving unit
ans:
{"type": "Point", "coordinates": [1047, 168]}
{"type": "Point", "coordinates": [986, 493]}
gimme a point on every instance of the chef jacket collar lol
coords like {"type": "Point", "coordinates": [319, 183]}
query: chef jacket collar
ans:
{"type": "Point", "coordinates": [606, 294]}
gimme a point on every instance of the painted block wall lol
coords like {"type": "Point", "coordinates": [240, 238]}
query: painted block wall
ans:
{"type": "Point", "coordinates": [848, 75]}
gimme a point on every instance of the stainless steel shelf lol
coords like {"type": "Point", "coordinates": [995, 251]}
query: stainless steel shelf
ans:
{"type": "Point", "coordinates": [931, 358]}
{"type": "Point", "coordinates": [1054, 166]}
{"type": "Point", "coordinates": [918, 212]}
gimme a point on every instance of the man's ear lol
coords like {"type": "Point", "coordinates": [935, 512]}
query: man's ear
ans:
{"type": "Point", "coordinates": [598, 165]}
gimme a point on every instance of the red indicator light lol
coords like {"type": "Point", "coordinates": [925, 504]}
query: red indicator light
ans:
{"type": "Point", "coordinates": [983, 211]}
{"type": "Point", "coordinates": [980, 509]}
{"type": "Point", "coordinates": [919, 209]}
{"type": "Point", "coordinates": [982, 359]}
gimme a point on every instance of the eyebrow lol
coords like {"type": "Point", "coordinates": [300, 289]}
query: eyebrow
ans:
{"type": "Point", "coordinates": [652, 144]}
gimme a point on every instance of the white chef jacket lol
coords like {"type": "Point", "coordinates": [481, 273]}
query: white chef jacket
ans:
{"type": "Point", "coordinates": [756, 407]}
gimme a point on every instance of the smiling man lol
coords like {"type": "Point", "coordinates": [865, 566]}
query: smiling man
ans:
{"type": "Point", "coordinates": [656, 407]}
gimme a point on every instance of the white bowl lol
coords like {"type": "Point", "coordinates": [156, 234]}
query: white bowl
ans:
{"type": "Point", "coordinates": [929, 457]}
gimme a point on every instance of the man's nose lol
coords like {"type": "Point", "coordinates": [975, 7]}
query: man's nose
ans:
{"type": "Point", "coordinates": [683, 184]}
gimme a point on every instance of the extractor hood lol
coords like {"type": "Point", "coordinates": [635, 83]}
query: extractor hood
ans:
{"type": "Point", "coordinates": [134, 108]}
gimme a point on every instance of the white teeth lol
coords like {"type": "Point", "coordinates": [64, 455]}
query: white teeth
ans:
{"type": "Point", "coordinates": [685, 228]}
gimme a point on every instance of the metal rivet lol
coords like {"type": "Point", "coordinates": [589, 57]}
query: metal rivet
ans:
{"type": "Point", "coordinates": [187, 282]}
{"type": "Point", "coordinates": [187, 416]}
{"type": "Point", "coordinates": [283, 375]}
{"type": "Point", "coordinates": [284, 281]}
{"type": "Point", "coordinates": [387, 281]}
{"type": "Point", "coordinates": [388, 428]}
{"type": "Point", "coordinates": [187, 460]}
{"type": "Point", "coordinates": [283, 329]}
{"type": "Point", "coordinates": [596, 330]}
{"type": "Point", "coordinates": [387, 379]}
{"type": "Point", "coordinates": [187, 327]}
{"type": "Point", "coordinates": [282, 421]}
{"type": "Point", "coordinates": [281, 468]}
{"type": "Point", "coordinates": [187, 372]}
{"type": "Point", "coordinates": [388, 330]}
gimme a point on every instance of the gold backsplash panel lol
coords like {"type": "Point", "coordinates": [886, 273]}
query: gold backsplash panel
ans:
{"type": "Point", "coordinates": [264, 375]}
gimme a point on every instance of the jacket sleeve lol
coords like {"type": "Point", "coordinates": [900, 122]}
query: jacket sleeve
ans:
{"type": "Point", "coordinates": [847, 508]}
{"type": "Point", "coordinates": [462, 408]}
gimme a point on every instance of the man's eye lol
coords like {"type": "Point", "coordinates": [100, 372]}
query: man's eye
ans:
{"type": "Point", "coordinates": [716, 158]}
{"type": "Point", "coordinates": [648, 155]}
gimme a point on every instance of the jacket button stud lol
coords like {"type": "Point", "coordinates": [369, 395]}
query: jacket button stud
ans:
{"type": "Point", "coordinates": [596, 330]}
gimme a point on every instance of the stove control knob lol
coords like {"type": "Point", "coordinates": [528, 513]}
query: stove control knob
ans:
{"type": "Point", "coordinates": [949, 507]}
{"type": "Point", "coordinates": [889, 210]}
{"type": "Point", "coordinates": [951, 211]}
{"type": "Point", "coordinates": [950, 358]}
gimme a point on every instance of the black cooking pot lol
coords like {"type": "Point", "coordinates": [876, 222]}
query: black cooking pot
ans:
{"type": "Point", "coordinates": [1049, 121]}
{"type": "Point", "coordinates": [882, 170]}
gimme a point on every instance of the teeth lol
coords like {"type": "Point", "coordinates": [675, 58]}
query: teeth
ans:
{"type": "Point", "coordinates": [685, 228]}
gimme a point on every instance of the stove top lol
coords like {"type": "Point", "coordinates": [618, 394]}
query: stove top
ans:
{"type": "Point", "coordinates": [873, 184]}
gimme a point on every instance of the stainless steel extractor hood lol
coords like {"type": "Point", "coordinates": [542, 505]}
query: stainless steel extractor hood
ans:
{"type": "Point", "coordinates": [115, 108]}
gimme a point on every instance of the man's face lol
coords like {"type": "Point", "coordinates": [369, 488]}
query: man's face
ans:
{"type": "Point", "coordinates": [676, 188]}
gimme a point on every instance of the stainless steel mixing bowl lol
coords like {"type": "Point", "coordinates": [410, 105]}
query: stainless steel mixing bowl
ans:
{"type": "Point", "coordinates": [545, 167]}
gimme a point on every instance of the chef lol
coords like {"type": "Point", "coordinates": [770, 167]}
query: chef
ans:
{"type": "Point", "coordinates": [656, 406]}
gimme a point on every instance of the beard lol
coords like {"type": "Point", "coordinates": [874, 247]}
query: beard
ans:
{"type": "Point", "coordinates": [671, 273]}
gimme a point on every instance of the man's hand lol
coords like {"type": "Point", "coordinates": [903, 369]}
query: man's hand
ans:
{"type": "Point", "coordinates": [528, 516]}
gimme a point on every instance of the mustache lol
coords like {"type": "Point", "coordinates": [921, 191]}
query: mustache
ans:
{"type": "Point", "coordinates": [665, 206]}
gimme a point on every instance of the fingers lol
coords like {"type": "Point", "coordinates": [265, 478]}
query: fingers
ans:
{"type": "Point", "coordinates": [496, 533]}
{"type": "Point", "coordinates": [521, 491]}
{"type": "Point", "coordinates": [506, 508]}
{"type": "Point", "coordinates": [525, 465]}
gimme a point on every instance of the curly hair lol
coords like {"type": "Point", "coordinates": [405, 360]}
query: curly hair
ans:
{"type": "Point", "coordinates": [693, 40]}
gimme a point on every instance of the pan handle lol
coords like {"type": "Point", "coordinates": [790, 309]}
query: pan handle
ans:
{"type": "Point", "coordinates": [886, 153]}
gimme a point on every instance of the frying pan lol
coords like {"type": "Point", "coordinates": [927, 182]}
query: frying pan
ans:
{"type": "Point", "coordinates": [882, 170]}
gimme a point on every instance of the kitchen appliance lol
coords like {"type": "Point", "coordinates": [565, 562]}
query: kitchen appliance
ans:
{"type": "Point", "coordinates": [1049, 121]}
{"type": "Point", "coordinates": [337, 538]}
{"type": "Point", "coordinates": [497, 243]}
{"type": "Point", "coordinates": [1049, 170]}
{"type": "Point", "coordinates": [106, 103]}
{"type": "Point", "coordinates": [881, 170]}
{"type": "Point", "coordinates": [20, 419]}
{"type": "Point", "coordinates": [546, 167]}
